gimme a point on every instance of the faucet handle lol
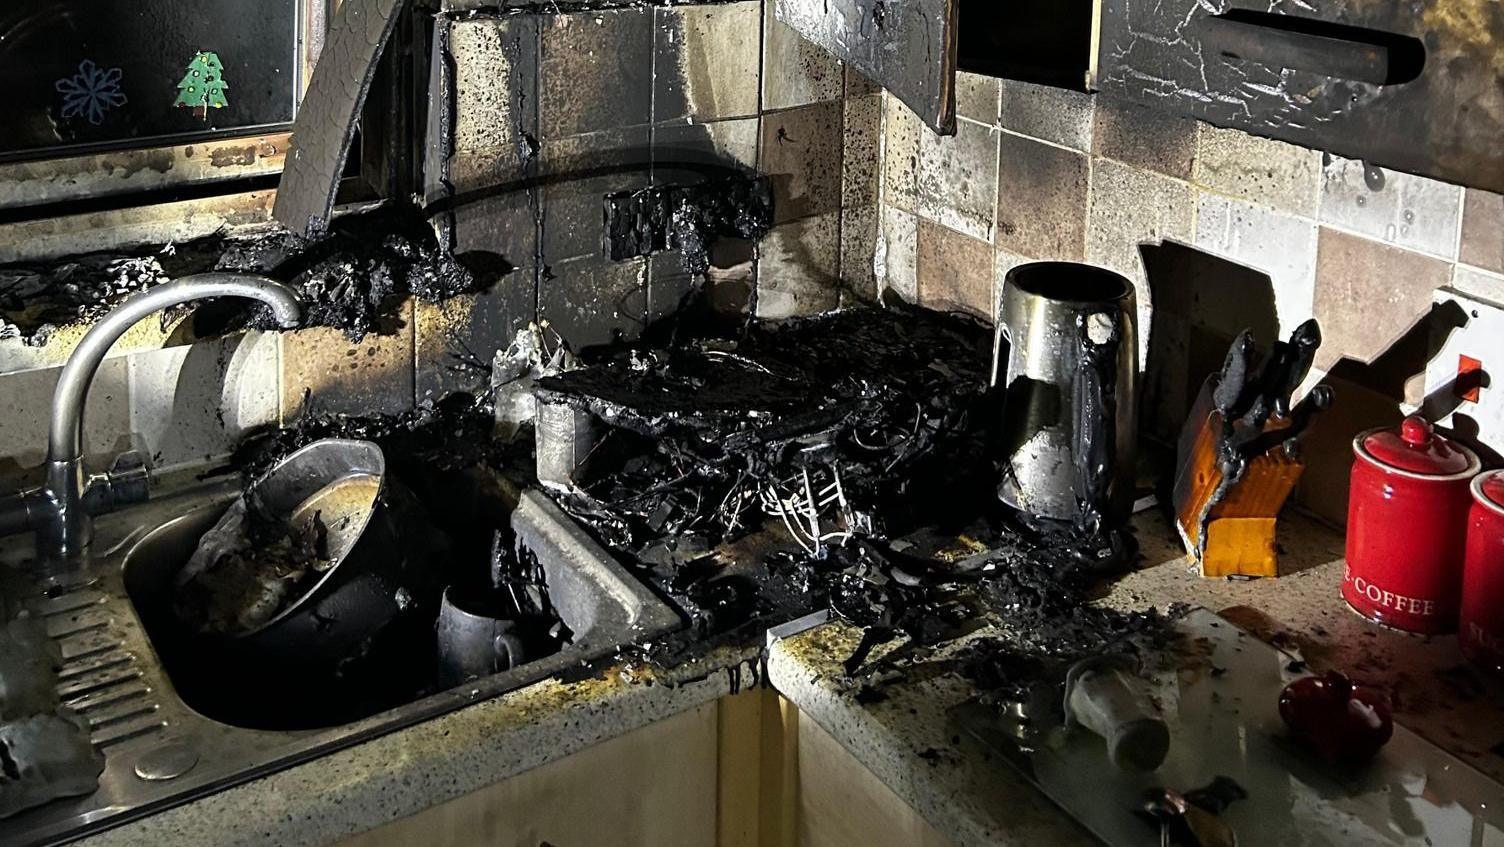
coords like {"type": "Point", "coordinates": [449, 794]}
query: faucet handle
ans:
{"type": "Point", "coordinates": [129, 477]}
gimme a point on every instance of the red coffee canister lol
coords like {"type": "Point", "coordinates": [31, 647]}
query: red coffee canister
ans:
{"type": "Point", "coordinates": [1406, 523]}
{"type": "Point", "coordinates": [1482, 624]}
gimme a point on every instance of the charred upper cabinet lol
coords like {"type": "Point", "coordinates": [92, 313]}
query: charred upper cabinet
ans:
{"type": "Point", "coordinates": [1417, 86]}
{"type": "Point", "coordinates": [914, 47]}
{"type": "Point", "coordinates": [906, 46]}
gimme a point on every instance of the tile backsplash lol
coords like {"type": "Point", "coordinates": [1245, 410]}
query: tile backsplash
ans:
{"type": "Point", "coordinates": [1232, 230]}
{"type": "Point", "coordinates": [534, 118]}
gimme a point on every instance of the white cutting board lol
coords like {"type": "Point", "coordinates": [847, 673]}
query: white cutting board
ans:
{"type": "Point", "coordinates": [1229, 725]}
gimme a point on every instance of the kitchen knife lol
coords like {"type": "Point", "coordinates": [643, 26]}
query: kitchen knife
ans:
{"type": "Point", "coordinates": [1234, 377]}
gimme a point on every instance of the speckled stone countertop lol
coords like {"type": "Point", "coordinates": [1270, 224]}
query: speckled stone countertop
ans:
{"type": "Point", "coordinates": [396, 775]}
{"type": "Point", "coordinates": [908, 742]}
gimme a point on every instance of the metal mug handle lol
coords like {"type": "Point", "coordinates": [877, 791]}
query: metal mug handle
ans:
{"type": "Point", "coordinates": [508, 649]}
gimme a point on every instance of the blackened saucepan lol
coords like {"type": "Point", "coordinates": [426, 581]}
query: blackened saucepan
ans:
{"type": "Point", "coordinates": [341, 484]}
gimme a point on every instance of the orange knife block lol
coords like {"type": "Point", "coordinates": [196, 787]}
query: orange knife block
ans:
{"type": "Point", "coordinates": [1238, 523]}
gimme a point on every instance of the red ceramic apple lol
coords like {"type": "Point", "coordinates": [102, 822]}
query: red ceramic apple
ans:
{"type": "Point", "coordinates": [1341, 720]}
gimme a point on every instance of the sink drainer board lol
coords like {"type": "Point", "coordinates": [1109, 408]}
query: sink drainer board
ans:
{"type": "Point", "coordinates": [160, 751]}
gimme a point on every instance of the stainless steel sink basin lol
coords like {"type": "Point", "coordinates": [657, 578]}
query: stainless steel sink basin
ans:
{"type": "Point", "coordinates": [161, 745]}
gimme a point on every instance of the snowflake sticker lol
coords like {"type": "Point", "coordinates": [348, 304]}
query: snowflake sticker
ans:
{"type": "Point", "coordinates": [91, 92]}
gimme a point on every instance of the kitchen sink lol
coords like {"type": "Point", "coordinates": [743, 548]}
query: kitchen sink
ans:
{"type": "Point", "coordinates": [174, 723]}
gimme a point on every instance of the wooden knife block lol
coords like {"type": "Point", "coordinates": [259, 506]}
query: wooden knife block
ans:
{"type": "Point", "coordinates": [1240, 526]}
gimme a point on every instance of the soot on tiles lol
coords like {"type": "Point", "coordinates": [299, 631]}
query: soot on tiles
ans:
{"type": "Point", "coordinates": [353, 278]}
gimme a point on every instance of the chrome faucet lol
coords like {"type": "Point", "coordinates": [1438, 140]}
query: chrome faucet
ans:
{"type": "Point", "coordinates": [61, 511]}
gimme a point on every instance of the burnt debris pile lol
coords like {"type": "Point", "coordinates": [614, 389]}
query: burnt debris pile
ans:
{"type": "Point", "coordinates": [353, 278]}
{"type": "Point", "coordinates": [843, 460]}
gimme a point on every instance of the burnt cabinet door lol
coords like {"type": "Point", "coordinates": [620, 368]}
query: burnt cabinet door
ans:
{"type": "Point", "coordinates": [906, 46]}
{"type": "Point", "coordinates": [1416, 86]}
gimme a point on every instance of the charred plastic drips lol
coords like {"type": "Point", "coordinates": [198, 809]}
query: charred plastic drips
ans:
{"type": "Point", "coordinates": [353, 278]}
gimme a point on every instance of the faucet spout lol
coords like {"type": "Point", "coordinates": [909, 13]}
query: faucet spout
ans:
{"type": "Point", "coordinates": [64, 521]}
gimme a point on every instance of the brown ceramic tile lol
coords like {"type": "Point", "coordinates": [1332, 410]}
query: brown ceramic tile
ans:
{"type": "Point", "coordinates": [1259, 170]}
{"type": "Point", "coordinates": [862, 156]}
{"type": "Point", "coordinates": [1483, 230]}
{"type": "Point", "coordinates": [324, 371]}
{"type": "Point", "coordinates": [902, 131]}
{"type": "Point", "coordinates": [597, 71]}
{"type": "Point", "coordinates": [801, 152]}
{"type": "Point", "coordinates": [1369, 295]}
{"type": "Point", "coordinates": [1041, 200]}
{"type": "Point", "coordinates": [1056, 115]}
{"type": "Point", "coordinates": [708, 60]}
{"type": "Point", "coordinates": [594, 301]}
{"type": "Point", "coordinates": [798, 268]}
{"type": "Point", "coordinates": [461, 333]}
{"type": "Point", "coordinates": [958, 179]}
{"type": "Point", "coordinates": [795, 71]}
{"type": "Point", "coordinates": [955, 272]}
{"type": "Point", "coordinates": [1327, 445]}
{"type": "Point", "coordinates": [1154, 139]}
{"type": "Point", "coordinates": [977, 97]}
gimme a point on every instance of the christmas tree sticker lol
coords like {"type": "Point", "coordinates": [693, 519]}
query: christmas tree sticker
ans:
{"type": "Point", "coordinates": [202, 86]}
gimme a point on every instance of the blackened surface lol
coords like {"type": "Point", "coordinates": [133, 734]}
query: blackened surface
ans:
{"type": "Point", "coordinates": [1444, 124]}
{"type": "Point", "coordinates": [893, 403]}
{"type": "Point", "coordinates": [688, 218]}
{"type": "Point", "coordinates": [354, 277]}
{"type": "Point", "coordinates": [1040, 41]}
{"type": "Point", "coordinates": [330, 112]}
{"type": "Point", "coordinates": [907, 46]}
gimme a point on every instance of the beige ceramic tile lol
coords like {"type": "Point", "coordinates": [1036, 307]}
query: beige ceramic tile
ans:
{"type": "Point", "coordinates": [1258, 170]}
{"type": "Point", "coordinates": [902, 131]}
{"type": "Point", "coordinates": [859, 225]}
{"type": "Point", "coordinates": [596, 72]}
{"type": "Point", "coordinates": [958, 179]}
{"type": "Point", "coordinates": [1145, 137]}
{"type": "Point", "coordinates": [193, 404]}
{"type": "Point", "coordinates": [978, 97]}
{"type": "Point", "coordinates": [1056, 115]}
{"type": "Point", "coordinates": [798, 268]}
{"type": "Point", "coordinates": [1401, 209]}
{"type": "Point", "coordinates": [1282, 246]}
{"type": "Point", "coordinates": [323, 371]}
{"type": "Point", "coordinates": [593, 301]}
{"type": "Point", "coordinates": [1041, 199]}
{"type": "Point", "coordinates": [955, 271]}
{"type": "Point", "coordinates": [707, 61]}
{"type": "Point", "coordinates": [801, 153]}
{"type": "Point", "coordinates": [861, 159]}
{"type": "Point", "coordinates": [456, 339]}
{"type": "Point", "coordinates": [896, 261]}
{"type": "Point", "coordinates": [26, 409]}
{"type": "Point", "coordinates": [795, 71]}
{"type": "Point", "coordinates": [1129, 207]}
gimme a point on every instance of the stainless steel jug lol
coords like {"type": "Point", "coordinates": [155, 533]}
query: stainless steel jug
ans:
{"type": "Point", "coordinates": [1068, 433]}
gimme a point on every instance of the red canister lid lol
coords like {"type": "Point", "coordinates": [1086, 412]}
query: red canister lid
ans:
{"type": "Point", "coordinates": [1488, 489]}
{"type": "Point", "coordinates": [1416, 448]}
